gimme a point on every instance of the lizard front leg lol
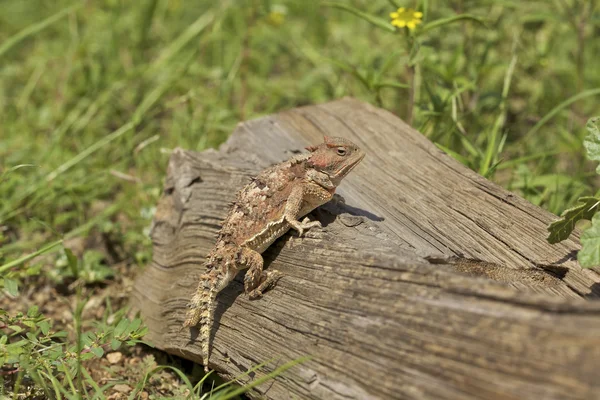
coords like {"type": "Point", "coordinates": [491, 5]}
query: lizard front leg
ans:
{"type": "Point", "coordinates": [298, 205]}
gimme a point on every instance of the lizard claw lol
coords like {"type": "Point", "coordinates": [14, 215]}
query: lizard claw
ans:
{"type": "Point", "coordinates": [305, 225]}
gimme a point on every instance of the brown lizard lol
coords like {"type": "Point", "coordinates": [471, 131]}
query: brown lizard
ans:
{"type": "Point", "coordinates": [263, 211]}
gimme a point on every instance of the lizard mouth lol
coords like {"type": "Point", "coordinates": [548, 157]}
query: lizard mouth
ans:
{"type": "Point", "coordinates": [345, 170]}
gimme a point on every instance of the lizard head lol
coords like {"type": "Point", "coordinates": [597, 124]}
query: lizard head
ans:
{"type": "Point", "coordinates": [335, 157]}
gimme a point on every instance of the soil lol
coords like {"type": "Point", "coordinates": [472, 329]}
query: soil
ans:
{"type": "Point", "coordinates": [123, 369]}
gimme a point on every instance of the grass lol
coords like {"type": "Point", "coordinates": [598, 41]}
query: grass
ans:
{"type": "Point", "coordinates": [94, 95]}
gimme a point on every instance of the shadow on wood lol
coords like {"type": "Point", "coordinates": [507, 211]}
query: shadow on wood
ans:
{"type": "Point", "coordinates": [427, 281]}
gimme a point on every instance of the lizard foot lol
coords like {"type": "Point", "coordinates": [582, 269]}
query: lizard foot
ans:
{"type": "Point", "coordinates": [306, 224]}
{"type": "Point", "coordinates": [269, 280]}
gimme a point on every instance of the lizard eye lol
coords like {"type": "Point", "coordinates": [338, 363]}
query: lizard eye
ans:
{"type": "Point", "coordinates": [341, 151]}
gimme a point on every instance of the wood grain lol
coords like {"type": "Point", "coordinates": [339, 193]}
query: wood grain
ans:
{"type": "Point", "coordinates": [426, 282]}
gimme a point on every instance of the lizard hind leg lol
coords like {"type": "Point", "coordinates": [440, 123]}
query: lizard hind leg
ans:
{"type": "Point", "coordinates": [267, 281]}
{"type": "Point", "coordinates": [256, 281]}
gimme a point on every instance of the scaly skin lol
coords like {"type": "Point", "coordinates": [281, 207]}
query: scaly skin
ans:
{"type": "Point", "coordinates": [264, 210]}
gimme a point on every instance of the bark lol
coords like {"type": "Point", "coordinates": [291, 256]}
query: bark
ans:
{"type": "Point", "coordinates": [426, 282]}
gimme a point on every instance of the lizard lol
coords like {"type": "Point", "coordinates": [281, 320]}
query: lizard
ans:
{"type": "Point", "coordinates": [265, 209]}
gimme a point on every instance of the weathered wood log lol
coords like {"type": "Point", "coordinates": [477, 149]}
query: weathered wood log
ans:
{"type": "Point", "coordinates": [428, 282]}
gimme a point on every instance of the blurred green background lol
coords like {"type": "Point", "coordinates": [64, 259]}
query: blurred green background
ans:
{"type": "Point", "coordinates": [93, 98]}
{"type": "Point", "coordinates": [95, 94]}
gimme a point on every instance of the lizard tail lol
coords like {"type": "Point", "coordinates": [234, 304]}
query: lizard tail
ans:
{"type": "Point", "coordinates": [202, 310]}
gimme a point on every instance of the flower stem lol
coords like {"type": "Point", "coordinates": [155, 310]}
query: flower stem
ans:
{"type": "Point", "coordinates": [411, 94]}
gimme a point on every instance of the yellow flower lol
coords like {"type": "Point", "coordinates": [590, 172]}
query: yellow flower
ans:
{"type": "Point", "coordinates": [276, 18]}
{"type": "Point", "coordinates": [406, 17]}
{"type": "Point", "coordinates": [277, 15]}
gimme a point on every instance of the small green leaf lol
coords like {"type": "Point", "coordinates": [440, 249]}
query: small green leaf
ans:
{"type": "Point", "coordinates": [592, 140]}
{"type": "Point", "coordinates": [32, 312]}
{"type": "Point", "coordinates": [55, 353]}
{"type": "Point", "coordinates": [73, 263]}
{"type": "Point", "coordinates": [98, 351]}
{"type": "Point", "coordinates": [86, 339]}
{"type": "Point", "coordinates": [87, 356]}
{"type": "Point", "coordinates": [17, 345]}
{"type": "Point", "coordinates": [561, 229]}
{"type": "Point", "coordinates": [115, 344]}
{"type": "Point", "coordinates": [121, 326]}
{"type": "Point", "coordinates": [143, 333]}
{"type": "Point", "coordinates": [44, 326]}
{"type": "Point", "coordinates": [378, 22]}
{"type": "Point", "coordinates": [589, 255]}
{"type": "Point", "coordinates": [134, 325]}
{"type": "Point", "coordinates": [30, 324]}
{"type": "Point", "coordinates": [11, 286]}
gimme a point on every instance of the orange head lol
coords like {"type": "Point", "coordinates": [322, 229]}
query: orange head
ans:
{"type": "Point", "coordinates": [335, 157]}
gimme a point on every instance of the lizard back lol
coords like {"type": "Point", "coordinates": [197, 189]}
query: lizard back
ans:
{"type": "Point", "coordinates": [256, 218]}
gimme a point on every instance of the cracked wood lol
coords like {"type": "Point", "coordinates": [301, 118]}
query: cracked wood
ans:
{"type": "Point", "coordinates": [426, 282]}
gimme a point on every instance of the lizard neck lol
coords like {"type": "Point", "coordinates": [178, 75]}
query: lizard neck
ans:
{"type": "Point", "coordinates": [321, 179]}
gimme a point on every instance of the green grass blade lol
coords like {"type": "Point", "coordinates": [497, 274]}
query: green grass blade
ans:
{"type": "Point", "coordinates": [378, 22]}
{"type": "Point", "coordinates": [70, 379]}
{"type": "Point", "coordinates": [454, 154]}
{"type": "Point", "coordinates": [90, 150]}
{"type": "Point", "coordinates": [492, 149]}
{"type": "Point", "coordinates": [190, 33]}
{"type": "Point", "coordinates": [35, 28]}
{"type": "Point", "coordinates": [55, 384]}
{"type": "Point", "coordinates": [522, 160]}
{"type": "Point", "coordinates": [140, 386]}
{"type": "Point", "coordinates": [394, 85]}
{"type": "Point", "coordinates": [265, 378]}
{"type": "Point", "coordinates": [438, 23]}
{"type": "Point", "coordinates": [558, 108]}
{"type": "Point", "coordinates": [243, 374]}
{"type": "Point", "coordinates": [98, 391]}
{"type": "Point", "coordinates": [148, 13]}
{"type": "Point", "coordinates": [15, 168]}
{"type": "Point", "coordinates": [28, 257]}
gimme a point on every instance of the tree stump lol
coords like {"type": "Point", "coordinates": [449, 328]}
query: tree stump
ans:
{"type": "Point", "coordinates": [426, 282]}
